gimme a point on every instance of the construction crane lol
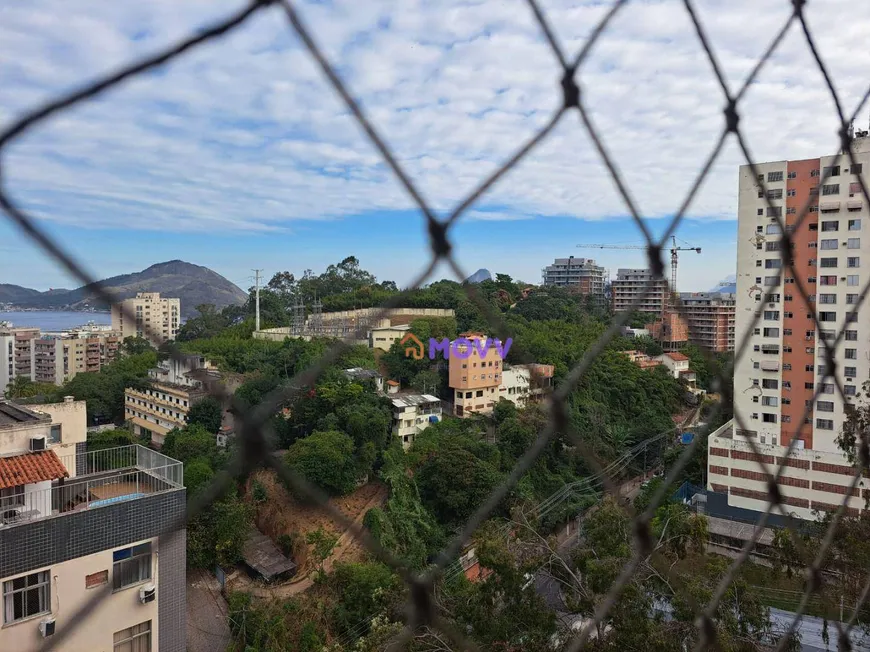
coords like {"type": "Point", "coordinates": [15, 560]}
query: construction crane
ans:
{"type": "Point", "coordinates": [674, 250]}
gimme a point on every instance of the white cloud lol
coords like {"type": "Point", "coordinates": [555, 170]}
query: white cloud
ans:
{"type": "Point", "coordinates": [244, 133]}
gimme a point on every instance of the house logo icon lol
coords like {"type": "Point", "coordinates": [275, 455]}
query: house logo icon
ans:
{"type": "Point", "coordinates": [415, 351]}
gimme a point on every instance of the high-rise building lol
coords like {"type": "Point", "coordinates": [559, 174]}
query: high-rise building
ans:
{"type": "Point", "coordinates": [579, 274]}
{"type": "Point", "coordinates": [776, 378]}
{"type": "Point", "coordinates": [711, 317]}
{"type": "Point", "coordinates": [148, 316]}
{"type": "Point", "coordinates": [73, 522]}
{"type": "Point", "coordinates": [629, 284]}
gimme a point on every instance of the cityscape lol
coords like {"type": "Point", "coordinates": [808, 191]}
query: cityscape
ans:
{"type": "Point", "coordinates": [236, 416]}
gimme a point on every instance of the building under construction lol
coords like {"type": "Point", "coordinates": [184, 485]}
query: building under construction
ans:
{"type": "Point", "coordinates": [708, 322]}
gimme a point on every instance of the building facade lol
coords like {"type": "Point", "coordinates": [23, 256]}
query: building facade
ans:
{"type": "Point", "coordinates": [777, 378]}
{"type": "Point", "coordinates": [580, 274]}
{"type": "Point", "coordinates": [523, 384]}
{"type": "Point", "coordinates": [475, 379]}
{"type": "Point", "coordinates": [175, 385]}
{"type": "Point", "coordinates": [711, 318]}
{"type": "Point", "coordinates": [412, 414]}
{"type": "Point", "coordinates": [629, 285]}
{"type": "Point", "coordinates": [73, 524]}
{"type": "Point", "coordinates": [149, 316]}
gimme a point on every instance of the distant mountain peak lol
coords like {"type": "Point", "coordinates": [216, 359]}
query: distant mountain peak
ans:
{"type": "Point", "coordinates": [479, 276]}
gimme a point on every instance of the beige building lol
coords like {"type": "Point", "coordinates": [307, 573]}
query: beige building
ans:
{"type": "Point", "coordinates": [629, 286]}
{"type": "Point", "coordinates": [711, 318]}
{"type": "Point", "coordinates": [73, 523]}
{"type": "Point", "coordinates": [412, 414]}
{"type": "Point", "coordinates": [175, 387]}
{"type": "Point", "coordinates": [149, 316]}
{"type": "Point", "coordinates": [522, 384]}
{"type": "Point", "coordinates": [784, 366]}
{"type": "Point", "coordinates": [580, 274]}
{"type": "Point", "coordinates": [382, 337]}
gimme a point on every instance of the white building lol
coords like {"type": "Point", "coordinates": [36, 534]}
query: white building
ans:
{"type": "Point", "coordinates": [520, 388]}
{"type": "Point", "coordinates": [149, 316]}
{"type": "Point", "coordinates": [382, 337]}
{"type": "Point", "coordinates": [776, 379]}
{"type": "Point", "coordinates": [412, 414]}
{"type": "Point", "coordinates": [74, 522]}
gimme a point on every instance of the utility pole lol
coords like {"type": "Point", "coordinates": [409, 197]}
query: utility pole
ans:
{"type": "Point", "coordinates": [257, 300]}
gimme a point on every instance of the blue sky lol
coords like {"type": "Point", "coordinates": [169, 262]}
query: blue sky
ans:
{"type": "Point", "coordinates": [239, 155]}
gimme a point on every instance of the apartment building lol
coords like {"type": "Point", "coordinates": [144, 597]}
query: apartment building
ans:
{"type": "Point", "coordinates": [522, 384]}
{"type": "Point", "coordinates": [474, 379]}
{"type": "Point", "coordinates": [149, 316]}
{"type": "Point", "coordinates": [629, 284]}
{"type": "Point", "coordinates": [74, 523]}
{"type": "Point", "coordinates": [54, 357]}
{"type": "Point", "coordinates": [580, 274]}
{"type": "Point", "coordinates": [412, 414]}
{"type": "Point", "coordinates": [711, 317]}
{"type": "Point", "coordinates": [775, 381]}
{"type": "Point", "coordinates": [175, 385]}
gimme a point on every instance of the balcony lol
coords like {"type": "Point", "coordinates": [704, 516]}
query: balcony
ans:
{"type": "Point", "coordinates": [97, 479]}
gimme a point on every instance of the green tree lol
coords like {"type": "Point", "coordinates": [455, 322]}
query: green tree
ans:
{"type": "Point", "coordinates": [206, 412]}
{"type": "Point", "coordinates": [190, 443]}
{"type": "Point", "coordinates": [136, 346]}
{"type": "Point", "coordinates": [453, 483]}
{"type": "Point", "coordinates": [105, 439]}
{"type": "Point", "coordinates": [326, 460]}
{"type": "Point", "coordinates": [365, 589]}
{"type": "Point", "coordinates": [322, 544]}
{"type": "Point", "coordinates": [23, 387]}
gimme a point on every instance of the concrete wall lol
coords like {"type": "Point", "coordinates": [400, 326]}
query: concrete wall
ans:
{"type": "Point", "coordinates": [72, 418]}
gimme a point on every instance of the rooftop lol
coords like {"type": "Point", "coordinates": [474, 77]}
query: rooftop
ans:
{"type": "Point", "coordinates": [411, 400]}
{"type": "Point", "coordinates": [359, 372]}
{"type": "Point", "coordinates": [264, 557]}
{"type": "Point", "coordinates": [677, 356]}
{"type": "Point", "coordinates": [30, 468]}
{"type": "Point", "coordinates": [12, 414]}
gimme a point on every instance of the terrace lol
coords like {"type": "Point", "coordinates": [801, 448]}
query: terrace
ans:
{"type": "Point", "coordinates": [41, 484]}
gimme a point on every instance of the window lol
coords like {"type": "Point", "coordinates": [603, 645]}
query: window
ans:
{"type": "Point", "coordinates": [758, 263]}
{"type": "Point", "coordinates": [774, 194]}
{"type": "Point", "coordinates": [825, 406]}
{"type": "Point", "coordinates": [11, 497]}
{"type": "Point", "coordinates": [772, 263]}
{"type": "Point", "coordinates": [54, 434]}
{"type": "Point", "coordinates": [26, 596]}
{"type": "Point", "coordinates": [771, 314]}
{"type": "Point", "coordinates": [774, 176]}
{"type": "Point", "coordinates": [768, 418]}
{"type": "Point", "coordinates": [857, 168]}
{"type": "Point", "coordinates": [131, 565]}
{"type": "Point", "coordinates": [791, 193]}
{"type": "Point", "coordinates": [808, 385]}
{"type": "Point", "coordinates": [760, 211]}
{"type": "Point", "coordinates": [827, 388]}
{"type": "Point", "coordinates": [760, 196]}
{"type": "Point", "coordinates": [479, 392]}
{"type": "Point", "coordinates": [809, 367]}
{"type": "Point", "coordinates": [850, 372]}
{"type": "Point", "coordinates": [853, 262]}
{"type": "Point", "coordinates": [827, 262]}
{"type": "Point", "coordinates": [850, 390]}
{"type": "Point", "coordinates": [851, 354]}
{"type": "Point", "coordinates": [829, 244]}
{"type": "Point", "coordinates": [831, 189]}
{"type": "Point", "coordinates": [770, 383]}
{"type": "Point", "coordinates": [827, 298]}
{"type": "Point", "coordinates": [790, 211]}
{"type": "Point", "coordinates": [774, 211]}
{"type": "Point", "coordinates": [792, 175]}
{"type": "Point", "coordinates": [827, 316]}
{"type": "Point", "coordinates": [831, 226]}
{"type": "Point", "coordinates": [814, 173]}
{"type": "Point", "coordinates": [827, 280]}
{"type": "Point", "coordinates": [773, 246]}
{"type": "Point", "coordinates": [852, 280]}
{"type": "Point", "coordinates": [824, 424]}
{"type": "Point", "coordinates": [771, 401]}
{"type": "Point", "coordinates": [771, 332]}
{"type": "Point", "coordinates": [771, 280]}
{"type": "Point", "coordinates": [831, 171]}
{"type": "Point", "coordinates": [854, 225]}
{"type": "Point", "coordinates": [134, 639]}
{"type": "Point", "coordinates": [773, 229]}
{"type": "Point", "coordinates": [853, 243]}
{"type": "Point", "coordinates": [852, 336]}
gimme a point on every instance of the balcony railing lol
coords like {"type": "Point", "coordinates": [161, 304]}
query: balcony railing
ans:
{"type": "Point", "coordinates": [98, 478]}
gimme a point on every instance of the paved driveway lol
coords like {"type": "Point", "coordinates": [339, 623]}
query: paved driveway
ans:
{"type": "Point", "coordinates": [207, 626]}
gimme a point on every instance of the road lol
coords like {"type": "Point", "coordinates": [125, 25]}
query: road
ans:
{"type": "Point", "coordinates": [810, 629]}
{"type": "Point", "coordinates": [207, 613]}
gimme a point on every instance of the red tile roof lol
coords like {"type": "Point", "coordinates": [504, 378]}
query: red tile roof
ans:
{"type": "Point", "coordinates": [677, 356]}
{"type": "Point", "coordinates": [28, 468]}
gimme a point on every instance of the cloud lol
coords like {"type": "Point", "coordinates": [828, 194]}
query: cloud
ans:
{"type": "Point", "coordinates": [244, 133]}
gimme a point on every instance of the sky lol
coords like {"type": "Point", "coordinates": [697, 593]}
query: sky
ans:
{"type": "Point", "coordinates": [238, 155]}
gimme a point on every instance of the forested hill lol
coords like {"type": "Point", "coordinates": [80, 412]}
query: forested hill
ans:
{"type": "Point", "coordinates": [193, 284]}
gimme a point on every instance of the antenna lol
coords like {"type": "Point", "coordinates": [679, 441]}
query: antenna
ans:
{"type": "Point", "coordinates": [257, 286]}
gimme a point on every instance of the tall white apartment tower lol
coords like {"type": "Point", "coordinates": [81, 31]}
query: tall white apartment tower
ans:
{"type": "Point", "coordinates": [775, 379]}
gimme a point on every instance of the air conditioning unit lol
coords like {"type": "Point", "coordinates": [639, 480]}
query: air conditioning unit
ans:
{"type": "Point", "coordinates": [37, 443]}
{"type": "Point", "coordinates": [147, 593]}
{"type": "Point", "coordinates": [46, 627]}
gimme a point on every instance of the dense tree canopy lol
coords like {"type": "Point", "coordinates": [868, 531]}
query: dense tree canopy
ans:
{"type": "Point", "coordinates": [326, 460]}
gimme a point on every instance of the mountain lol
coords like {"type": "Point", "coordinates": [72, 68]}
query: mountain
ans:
{"type": "Point", "coordinates": [728, 285]}
{"type": "Point", "coordinates": [15, 293]}
{"type": "Point", "coordinates": [193, 284]}
{"type": "Point", "coordinates": [479, 276]}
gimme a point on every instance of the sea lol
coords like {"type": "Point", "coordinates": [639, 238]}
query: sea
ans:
{"type": "Point", "coordinates": [51, 320]}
